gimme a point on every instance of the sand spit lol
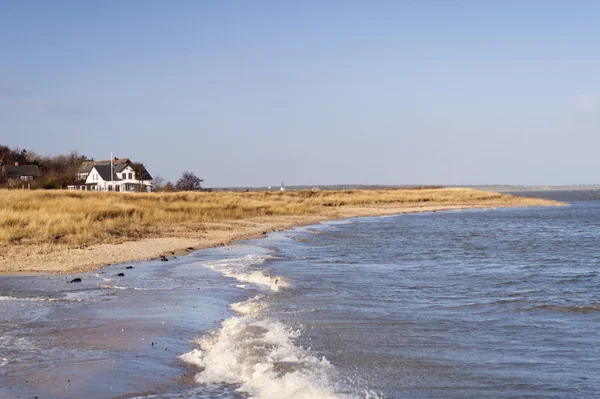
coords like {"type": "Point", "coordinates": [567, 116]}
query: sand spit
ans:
{"type": "Point", "coordinates": [181, 238]}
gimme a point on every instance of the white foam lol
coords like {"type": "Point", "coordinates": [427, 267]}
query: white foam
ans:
{"type": "Point", "coordinates": [251, 306]}
{"type": "Point", "coordinates": [77, 296]}
{"type": "Point", "coordinates": [3, 362]}
{"type": "Point", "coordinates": [116, 287]}
{"type": "Point", "coordinates": [244, 270]}
{"type": "Point", "coordinates": [259, 354]}
{"type": "Point", "coordinates": [31, 299]}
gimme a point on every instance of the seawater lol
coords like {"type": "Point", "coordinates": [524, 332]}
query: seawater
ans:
{"type": "Point", "coordinates": [500, 303]}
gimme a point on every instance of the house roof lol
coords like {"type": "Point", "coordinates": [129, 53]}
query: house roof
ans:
{"type": "Point", "coordinates": [104, 172]}
{"type": "Point", "coordinates": [139, 169]}
{"type": "Point", "coordinates": [86, 167]}
{"type": "Point", "coordinates": [119, 168]}
{"type": "Point", "coordinates": [14, 171]}
{"type": "Point", "coordinates": [119, 165]}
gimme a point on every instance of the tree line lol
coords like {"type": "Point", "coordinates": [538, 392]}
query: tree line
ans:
{"type": "Point", "coordinates": [55, 171]}
{"type": "Point", "coordinates": [60, 171]}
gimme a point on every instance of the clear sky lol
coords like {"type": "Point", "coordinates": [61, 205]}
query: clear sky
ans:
{"type": "Point", "coordinates": [250, 93]}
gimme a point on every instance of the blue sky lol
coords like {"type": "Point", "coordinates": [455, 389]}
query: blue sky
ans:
{"type": "Point", "coordinates": [311, 92]}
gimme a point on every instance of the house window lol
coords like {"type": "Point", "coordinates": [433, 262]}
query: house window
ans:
{"type": "Point", "coordinates": [131, 176]}
{"type": "Point", "coordinates": [124, 175]}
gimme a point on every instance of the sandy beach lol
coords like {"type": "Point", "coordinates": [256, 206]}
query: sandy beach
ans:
{"type": "Point", "coordinates": [54, 258]}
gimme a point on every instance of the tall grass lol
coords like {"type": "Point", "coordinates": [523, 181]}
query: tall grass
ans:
{"type": "Point", "coordinates": [82, 218]}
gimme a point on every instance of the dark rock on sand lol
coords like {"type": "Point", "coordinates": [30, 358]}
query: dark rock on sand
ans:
{"type": "Point", "coordinates": [75, 280]}
{"type": "Point", "coordinates": [129, 267]}
{"type": "Point", "coordinates": [121, 274]}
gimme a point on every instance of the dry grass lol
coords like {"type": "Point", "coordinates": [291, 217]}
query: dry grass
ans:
{"type": "Point", "coordinates": [80, 218]}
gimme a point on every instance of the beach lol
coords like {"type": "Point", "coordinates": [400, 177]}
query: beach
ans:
{"type": "Point", "coordinates": [54, 248]}
{"type": "Point", "coordinates": [109, 335]}
{"type": "Point", "coordinates": [197, 324]}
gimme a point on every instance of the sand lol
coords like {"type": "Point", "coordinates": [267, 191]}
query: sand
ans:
{"type": "Point", "coordinates": [52, 258]}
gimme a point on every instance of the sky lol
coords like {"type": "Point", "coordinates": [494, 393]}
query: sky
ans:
{"type": "Point", "coordinates": [253, 93]}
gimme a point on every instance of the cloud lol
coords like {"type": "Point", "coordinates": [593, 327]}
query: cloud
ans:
{"type": "Point", "coordinates": [587, 103]}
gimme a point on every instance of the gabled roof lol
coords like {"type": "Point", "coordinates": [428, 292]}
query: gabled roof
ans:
{"type": "Point", "coordinates": [86, 167]}
{"type": "Point", "coordinates": [14, 171]}
{"type": "Point", "coordinates": [104, 172]}
{"type": "Point", "coordinates": [119, 168]}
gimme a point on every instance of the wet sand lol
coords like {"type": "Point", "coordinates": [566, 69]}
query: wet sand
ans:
{"type": "Point", "coordinates": [107, 336]}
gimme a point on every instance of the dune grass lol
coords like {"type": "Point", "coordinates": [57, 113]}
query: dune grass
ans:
{"type": "Point", "coordinates": [82, 218]}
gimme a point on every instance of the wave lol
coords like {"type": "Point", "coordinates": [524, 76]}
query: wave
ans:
{"type": "Point", "coordinates": [73, 296]}
{"type": "Point", "coordinates": [258, 354]}
{"type": "Point", "coordinates": [29, 299]}
{"type": "Point", "coordinates": [111, 287]}
{"type": "Point", "coordinates": [244, 270]}
{"type": "Point", "coordinates": [38, 299]}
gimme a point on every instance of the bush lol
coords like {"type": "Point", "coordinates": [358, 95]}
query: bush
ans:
{"type": "Point", "coordinates": [50, 183]}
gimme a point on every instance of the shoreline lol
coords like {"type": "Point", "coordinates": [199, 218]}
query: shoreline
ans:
{"type": "Point", "coordinates": [108, 336]}
{"type": "Point", "coordinates": [64, 260]}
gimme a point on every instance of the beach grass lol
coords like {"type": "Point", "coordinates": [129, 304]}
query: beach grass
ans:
{"type": "Point", "coordinates": [84, 218]}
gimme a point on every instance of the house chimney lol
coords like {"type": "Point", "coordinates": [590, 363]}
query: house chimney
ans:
{"type": "Point", "coordinates": [16, 164]}
{"type": "Point", "coordinates": [115, 160]}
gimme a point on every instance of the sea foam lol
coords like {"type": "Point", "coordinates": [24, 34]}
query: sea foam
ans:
{"type": "Point", "coordinates": [244, 270]}
{"type": "Point", "coordinates": [259, 354]}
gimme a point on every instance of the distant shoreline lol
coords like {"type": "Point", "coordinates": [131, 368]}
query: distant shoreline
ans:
{"type": "Point", "coordinates": [167, 240]}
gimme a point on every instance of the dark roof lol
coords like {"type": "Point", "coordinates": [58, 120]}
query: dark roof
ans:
{"type": "Point", "coordinates": [104, 172]}
{"type": "Point", "coordinates": [119, 168]}
{"type": "Point", "coordinates": [13, 171]}
{"type": "Point", "coordinates": [86, 167]}
{"type": "Point", "coordinates": [144, 173]}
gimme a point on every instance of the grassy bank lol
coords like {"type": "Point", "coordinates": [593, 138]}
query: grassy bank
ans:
{"type": "Point", "coordinates": [79, 218]}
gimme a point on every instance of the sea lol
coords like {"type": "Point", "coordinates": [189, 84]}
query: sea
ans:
{"type": "Point", "coordinates": [481, 303]}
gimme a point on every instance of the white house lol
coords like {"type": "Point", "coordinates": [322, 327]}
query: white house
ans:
{"type": "Point", "coordinates": [124, 177]}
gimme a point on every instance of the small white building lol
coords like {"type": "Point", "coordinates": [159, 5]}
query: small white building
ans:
{"type": "Point", "coordinates": [124, 177]}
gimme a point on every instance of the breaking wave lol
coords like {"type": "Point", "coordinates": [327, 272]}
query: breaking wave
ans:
{"type": "Point", "coordinates": [244, 270]}
{"type": "Point", "coordinates": [258, 354]}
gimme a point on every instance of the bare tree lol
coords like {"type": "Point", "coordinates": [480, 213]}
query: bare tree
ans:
{"type": "Point", "coordinates": [158, 184]}
{"type": "Point", "coordinates": [188, 182]}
